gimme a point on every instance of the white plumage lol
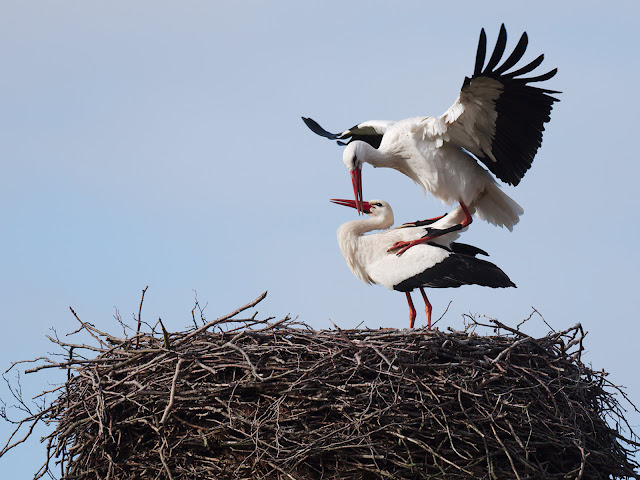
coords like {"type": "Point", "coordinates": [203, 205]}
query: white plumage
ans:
{"type": "Point", "coordinates": [439, 263]}
{"type": "Point", "coordinates": [497, 119]}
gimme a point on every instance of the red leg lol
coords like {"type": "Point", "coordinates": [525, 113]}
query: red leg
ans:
{"type": "Point", "coordinates": [412, 310]}
{"type": "Point", "coordinates": [467, 216]}
{"type": "Point", "coordinates": [427, 308]}
{"type": "Point", "coordinates": [404, 246]}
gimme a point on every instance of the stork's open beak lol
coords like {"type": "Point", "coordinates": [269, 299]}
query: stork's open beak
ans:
{"type": "Point", "coordinates": [356, 180]}
{"type": "Point", "coordinates": [364, 206]}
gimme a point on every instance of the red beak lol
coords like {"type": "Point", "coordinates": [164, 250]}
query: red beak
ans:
{"type": "Point", "coordinates": [364, 206]}
{"type": "Point", "coordinates": [356, 180]}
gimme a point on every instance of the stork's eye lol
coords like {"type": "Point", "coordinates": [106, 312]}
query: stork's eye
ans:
{"type": "Point", "coordinates": [376, 204]}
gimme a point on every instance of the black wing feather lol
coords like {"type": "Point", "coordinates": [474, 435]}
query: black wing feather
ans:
{"type": "Point", "coordinates": [501, 43]}
{"type": "Point", "coordinates": [373, 139]}
{"type": "Point", "coordinates": [526, 69]}
{"type": "Point", "coordinates": [318, 130]}
{"type": "Point", "coordinates": [481, 52]}
{"type": "Point", "coordinates": [522, 110]}
{"type": "Point", "coordinates": [467, 249]}
{"type": "Point", "coordinates": [540, 78]}
{"type": "Point", "coordinates": [457, 270]}
{"type": "Point", "coordinates": [515, 56]}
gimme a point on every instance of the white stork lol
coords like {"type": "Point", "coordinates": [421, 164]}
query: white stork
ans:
{"type": "Point", "coordinates": [498, 119]}
{"type": "Point", "coordinates": [440, 263]}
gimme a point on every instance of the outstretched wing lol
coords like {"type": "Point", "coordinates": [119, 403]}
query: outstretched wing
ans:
{"type": "Point", "coordinates": [498, 116]}
{"type": "Point", "coordinates": [370, 131]}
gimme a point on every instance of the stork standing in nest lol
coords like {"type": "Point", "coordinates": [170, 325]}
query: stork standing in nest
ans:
{"type": "Point", "coordinates": [497, 120]}
{"type": "Point", "coordinates": [439, 263]}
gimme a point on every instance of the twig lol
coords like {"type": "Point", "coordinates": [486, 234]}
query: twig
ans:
{"type": "Point", "coordinates": [254, 371]}
{"type": "Point", "coordinates": [144, 290]}
{"type": "Point", "coordinates": [164, 462]}
{"type": "Point", "coordinates": [224, 318]}
{"type": "Point", "coordinates": [511, 347]}
{"type": "Point", "coordinates": [165, 335]}
{"type": "Point", "coordinates": [443, 313]}
{"type": "Point", "coordinates": [172, 395]}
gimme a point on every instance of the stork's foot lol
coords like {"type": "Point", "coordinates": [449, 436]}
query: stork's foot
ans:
{"type": "Point", "coordinates": [404, 246]}
{"type": "Point", "coordinates": [432, 233]}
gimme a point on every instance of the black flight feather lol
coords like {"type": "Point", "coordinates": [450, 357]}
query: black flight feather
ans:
{"type": "Point", "coordinates": [481, 52]}
{"type": "Point", "coordinates": [515, 56]}
{"type": "Point", "coordinates": [522, 109]}
{"type": "Point", "coordinates": [373, 139]}
{"type": "Point", "coordinates": [467, 249]}
{"type": "Point", "coordinates": [501, 43]}
{"type": "Point", "coordinates": [318, 130]}
{"type": "Point", "coordinates": [457, 270]}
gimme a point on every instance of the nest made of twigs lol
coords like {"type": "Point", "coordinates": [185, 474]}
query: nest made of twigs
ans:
{"type": "Point", "coordinates": [250, 399]}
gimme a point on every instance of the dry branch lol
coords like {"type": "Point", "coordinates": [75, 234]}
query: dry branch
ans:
{"type": "Point", "coordinates": [256, 399]}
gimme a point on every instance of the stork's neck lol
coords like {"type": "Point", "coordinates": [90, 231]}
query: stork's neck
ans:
{"type": "Point", "coordinates": [357, 228]}
{"type": "Point", "coordinates": [376, 157]}
{"type": "Point", "coordinates": [349, 239]}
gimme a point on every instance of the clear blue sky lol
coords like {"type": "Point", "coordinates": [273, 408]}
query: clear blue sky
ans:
{"type": "Point", "coordinates": [156, 143]}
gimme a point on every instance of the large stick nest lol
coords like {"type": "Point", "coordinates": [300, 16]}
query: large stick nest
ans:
{"type": "Point", "coordinates": [250, 399]}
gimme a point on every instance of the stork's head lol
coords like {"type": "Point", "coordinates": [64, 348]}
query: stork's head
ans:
{"type": "Point", "coordinates": [374, 208]}
{"type": "Point", "coordinates": [353, 157]}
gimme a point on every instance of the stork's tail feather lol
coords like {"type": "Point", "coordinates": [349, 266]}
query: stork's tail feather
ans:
{"type": "Point", "coordinates": [498, 208]}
